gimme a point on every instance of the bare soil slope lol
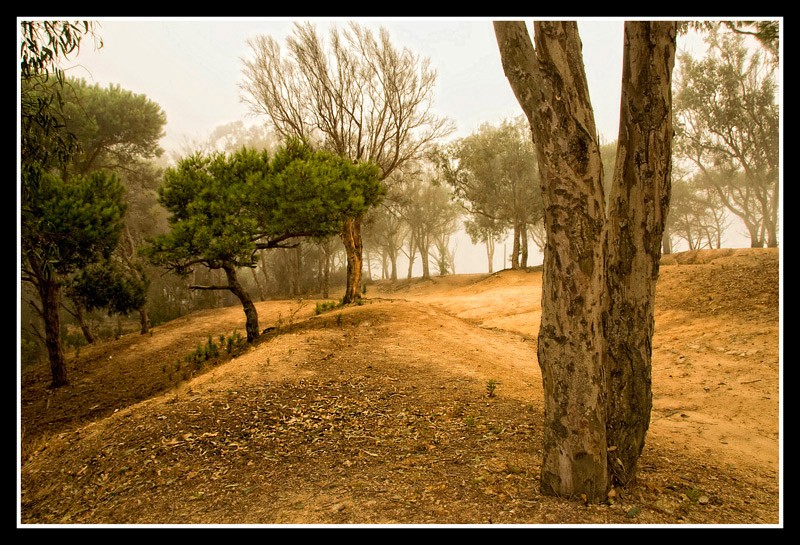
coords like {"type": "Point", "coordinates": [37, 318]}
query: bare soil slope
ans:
{"type": "Point", "coordinates": [382, 413]}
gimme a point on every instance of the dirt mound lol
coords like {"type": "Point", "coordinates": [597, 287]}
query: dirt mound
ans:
{"type": "Point", "coordinates": [422, 406]}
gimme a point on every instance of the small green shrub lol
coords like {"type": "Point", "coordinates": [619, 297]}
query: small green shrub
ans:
{"type": "Point", "coordinates": [325, 306]}
{"type": "Point", "coordinates": [491, 386]}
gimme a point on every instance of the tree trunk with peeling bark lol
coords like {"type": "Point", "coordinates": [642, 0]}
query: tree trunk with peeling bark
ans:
{"type": "Point", "coordinates": [594, 286]}
{"type": "Point", "coordinates": [637, 213]}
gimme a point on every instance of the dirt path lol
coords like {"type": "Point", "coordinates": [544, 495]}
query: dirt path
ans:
{"type": "Point", "coordinates": [381, 414]}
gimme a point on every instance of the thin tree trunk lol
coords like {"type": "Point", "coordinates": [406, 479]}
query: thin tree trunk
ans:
{"type": "Point", "coordinates": [258, 284]}
{"type": "Point", "coordinates": [144, 320]}
{"type": "Point", "coordinates": [515, 248]}
{"type": "Point", "coordinates": [50, 294]}
{"type": "Point", "coordinates": [490, 253]}
{"type": "Point", "coordinates": [642, 175]}
{"type": "Point", "coordinates": [666, 243]}
{"type": "Point", "coordinates": [85, 329]}
{"type": "Point", "coordinates": [326, 275]}
{"type": "Point", "coordinates": [264, 267]}
{"type": "Point", "coordinates": [550, 85]}
{"type": "Point", "coordinates": [424, 257]}
{"type": "Point", "coordinates": [251, 315]}
{"type": "Point", "coordinates": [351, 238]}
{"type": "Point", "coordinates": [412, 252]}
{"type": "Point", "coordinates": [523, 240]}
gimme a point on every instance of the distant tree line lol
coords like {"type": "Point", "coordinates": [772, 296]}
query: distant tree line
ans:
{"type": "Point", "coordinates": [105, 215]}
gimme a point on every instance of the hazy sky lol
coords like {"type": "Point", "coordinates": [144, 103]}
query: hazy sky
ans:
{"type": "Point", "coordinates": [192, 68]}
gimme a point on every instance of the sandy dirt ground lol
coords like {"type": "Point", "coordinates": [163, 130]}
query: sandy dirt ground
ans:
{"type": "Point", "coordinates": [423, 406]}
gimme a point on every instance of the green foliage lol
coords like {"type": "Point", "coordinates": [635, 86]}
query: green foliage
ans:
{"type": "Point", "coordinates": [224, 207]}
{"type": "Point", "coordinates": [43, 45]}
{"type": "Point", "coordinates": [494, 173]}
{"type": "Point", "coordinates": [325, 307]}
{"type": "Point", "coordinates": [68, 225]}
{"type": "Point", "coordinates": [235, 344]}
{"type": "Point", "coordinates": [491, 386]}
{"type": "Point", "coordinates": [727, 129]}
{"type": "Point", "coordinates": [211, 351]}
{"type": "Point", "coordinates": [45, 42]}
{"type": "Point", "coordinates": [107, 285]}
{"type": "Point", "coordinates": [115, 127]}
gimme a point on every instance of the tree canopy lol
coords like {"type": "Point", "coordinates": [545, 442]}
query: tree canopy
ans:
{"type": "Point", "coordinates": [728, 129]}
{"type": "Point", "coordinates": [495, 176]}
{"type": "Point", "coordinates": [225, 207]}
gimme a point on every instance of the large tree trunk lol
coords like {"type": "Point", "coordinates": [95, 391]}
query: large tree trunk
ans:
{"type": "Point", "coordinates": [550, 85]}
{"type": "Point", "coordinates": [351, 238]}
{"type": "Point", "coordinates": [50, 294]}
{"type": "Point", "coordinates": [490, 253]}
{"type": "Point", "coordinates": [251, 315]}
{"type": "Point", "coordinates": [635, 233]}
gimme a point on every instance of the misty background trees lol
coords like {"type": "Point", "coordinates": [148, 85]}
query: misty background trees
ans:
{"type": "Point", "coordinates": [356, 94]}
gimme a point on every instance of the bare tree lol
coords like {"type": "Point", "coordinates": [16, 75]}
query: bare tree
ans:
{"type": "Point", "coordinates": [600, 272]}
{"type": "Point", "coordinates": [360, 96]}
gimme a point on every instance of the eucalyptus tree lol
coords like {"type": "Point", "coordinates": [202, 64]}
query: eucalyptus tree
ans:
{"type": "Point", "coordinates": [728, 129]}
{"type": "Point", "coordinates": [486, 231]}
{"type": "Point", "coordinates": [224, 208]}
{"type": "Point", "coordinates": [494, 174]}
{"type": "Point", "coordinates": [358, 94]}
{"type": "Point", "coordinates": [600, 262]}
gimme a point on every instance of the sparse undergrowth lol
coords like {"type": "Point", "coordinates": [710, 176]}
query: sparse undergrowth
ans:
{"type": "Point", "coordinates": [402, 411]}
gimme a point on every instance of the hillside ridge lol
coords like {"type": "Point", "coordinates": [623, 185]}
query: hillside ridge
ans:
{"type": "Point", "coordinates": [382, 413]}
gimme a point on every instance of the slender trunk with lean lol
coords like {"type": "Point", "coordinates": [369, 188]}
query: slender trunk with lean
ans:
{"type": "Point", "coordinates": [83, 324]}
{"type": "Point", "coordinates": [251, 315]}
{"type": "Point", "coordinates": [144, 320]}
{"type": "Point", "coordinates": [258, 284]}
{"type": "Point", "coordinates": [412, 253]}
{"type": "Point", "coordinates": [424, 256]}
{"type": "Point", "coordinates": [638, 206]}
{"type": "Point", "coordinates": [550, 85]}
{"type": "Point", "coordinates": [50, 294]}
{"type": "Point", "coordinates": [490, 253]}
{"type": "Point", "coordinates": [515, 248]}
{"type": "Point", "coordinates": [351, 238]}
{"type": "Point", "coordinates": [523, 241]}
